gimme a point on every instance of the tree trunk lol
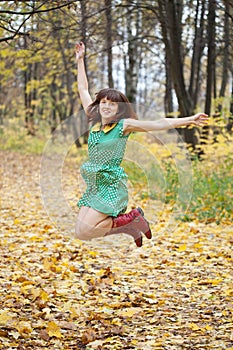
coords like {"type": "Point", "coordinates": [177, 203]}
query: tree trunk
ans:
{"type": "Point", "coordinates": [28, 98]}
{"type": "Point", "coordinates": [108, 13]}
{"type": "Point", "coordinates": [211, 55]}
{"type": "Point", "coordinates": [84, 39]}
{"type": "Point", "coordinates": [210, 62]}
{"type": "Point", "coordinates": [198, 47]}
{"type": "Point", "coordinates": [175, 30]}
{"type": "Point", "coordinates": [170, 14]}
{"type": "Point", "coordinates": [168, 100]}
{"type": "Point", "coordinates": [225, 62]}
{"type": "Point", "coordinates": [230, 119]}
{"type": "Point", "coordinates": [133, 60]}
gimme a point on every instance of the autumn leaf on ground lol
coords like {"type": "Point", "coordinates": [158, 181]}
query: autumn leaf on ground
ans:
{"type": "Point", "coordinates": [54, 330]}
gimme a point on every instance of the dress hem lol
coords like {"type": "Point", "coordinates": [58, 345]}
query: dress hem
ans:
{"type": "Point", "coordinates": [114, 214]}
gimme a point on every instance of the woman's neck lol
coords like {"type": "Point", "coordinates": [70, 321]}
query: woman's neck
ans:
{"type": "Point", "coordinates": [108, 121]}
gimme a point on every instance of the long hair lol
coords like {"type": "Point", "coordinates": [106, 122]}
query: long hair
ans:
{"type": "Point", "coordinates": [125, 109]}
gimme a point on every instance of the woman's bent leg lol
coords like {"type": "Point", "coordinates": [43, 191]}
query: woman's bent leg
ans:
{"type": "Point", "coordinates": [92, 224]}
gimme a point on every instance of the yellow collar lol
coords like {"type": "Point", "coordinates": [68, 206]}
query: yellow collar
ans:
{"type": "Point", "coordinates": [107, 128]}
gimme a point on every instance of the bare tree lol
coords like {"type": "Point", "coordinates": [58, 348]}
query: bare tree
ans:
{"type": "Point", "coordinates": [108, 13]}
{"type": "Point", "coordinates": [12, 29]}
{"type": "Point", "coordinates": [211, 55]}
{"type": "Point", "coordinates": [198, 47]}
{"type": "Point", "coordinates": [170, 17]}
{"type": "Point", "coordinates": [132, 59]}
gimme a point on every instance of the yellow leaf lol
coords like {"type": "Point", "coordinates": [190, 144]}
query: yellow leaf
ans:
{"type": "Point", "coordinates": [54, 330]}
{"type": "Point", "coordinates": [47, 264]}
{"type": "Point", "coordinates": [100, 272]}
{"type": "Point", "coordinates": [26, 289]}
{"type": "Point", "coordinates": [27, 283]}
{"type": "Point", "coordinates": [194, 327]}
{"type": "Point", "coordinates": [229, 292]}
{"type": "Point", "coordinates": [4, 318]}
{"type": "Point", "coordinates": [134, 342]}
{"type": "Point", "coordinates": [214, 282]}
{"type": "Point", "coordinates": [161, 302]}
{"type": "Point", "coordinates": [44, 296]}
{"type": "Point", "coordinates": [197, 245]}
{"type": "Point", "coordinates": [116, 322]}
{"type": "Point", "coordinates": [182, 248]}
{"type": "Point", "coordinates": [128, 312]}
{"type": "Point", "coordinates": [91, 253]}
{"type": "Point", "coordinates": [40, 293]}
{"type": "Point", "coordinates": [208, 328]}
{"type": "Point", "coordinates": [74, 310]}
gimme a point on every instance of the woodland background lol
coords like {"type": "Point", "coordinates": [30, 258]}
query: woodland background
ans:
{"type": "Point", "coordinates": [171, 58]}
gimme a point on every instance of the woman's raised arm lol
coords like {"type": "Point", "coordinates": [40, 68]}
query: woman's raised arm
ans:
{"type": "Point", "coordinates": [82, 77]}
{"type": "Point", "coordinates": [132, 125]}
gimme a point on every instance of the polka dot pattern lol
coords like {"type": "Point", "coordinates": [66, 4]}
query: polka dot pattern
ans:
{"type": "Point", "coordinates": [105, 179]}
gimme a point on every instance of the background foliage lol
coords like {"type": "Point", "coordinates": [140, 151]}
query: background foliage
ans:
{"type": "Point", "coordinates": [174, 57]}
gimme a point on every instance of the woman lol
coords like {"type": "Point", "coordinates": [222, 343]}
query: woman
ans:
{"type": "Point", "coordinates": [103, 205]}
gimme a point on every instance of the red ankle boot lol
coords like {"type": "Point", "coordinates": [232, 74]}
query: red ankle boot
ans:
{"type": "Point", "coordinates": [132, 223]}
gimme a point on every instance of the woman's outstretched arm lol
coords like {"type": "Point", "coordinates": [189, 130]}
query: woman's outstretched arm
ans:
{"type": "Point", "coordinates": [82, 77]}
{"type": "Point", "coordinates": [132, 125]}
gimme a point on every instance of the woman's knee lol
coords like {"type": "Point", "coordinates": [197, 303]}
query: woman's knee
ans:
{"type": "Point", "coordinates": [83, 231]}
{"type": "Point", "coordinates": [91, 224]}
{"type": "Point", "coordinates": [86, 232]}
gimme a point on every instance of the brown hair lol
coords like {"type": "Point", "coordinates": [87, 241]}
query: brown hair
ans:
{"type": "Point", "coordinates": [125, 108]}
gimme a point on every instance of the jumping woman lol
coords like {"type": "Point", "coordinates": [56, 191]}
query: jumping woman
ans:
{"type": "Point", "coordinates": [111, 118]}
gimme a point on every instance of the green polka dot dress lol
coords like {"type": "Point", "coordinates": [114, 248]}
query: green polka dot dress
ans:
{"type": "Point", "coordinates": [105, 179]}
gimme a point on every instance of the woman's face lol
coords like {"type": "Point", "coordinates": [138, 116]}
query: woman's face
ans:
{"type": "Point", "coordinates": [107, 108]}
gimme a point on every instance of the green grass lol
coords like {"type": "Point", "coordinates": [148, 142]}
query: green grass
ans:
{"type": "Point", "coordinates": [211, 194]}
{"type": "Point", "coordinates": [209, 199]}
{"type": "Point", "coordinates": [18, 140]}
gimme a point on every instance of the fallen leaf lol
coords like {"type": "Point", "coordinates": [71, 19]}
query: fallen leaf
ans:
{"type": "Point", "coordinates": [54, 330]}
{"type": "Point", "coordinates": [128, 312]}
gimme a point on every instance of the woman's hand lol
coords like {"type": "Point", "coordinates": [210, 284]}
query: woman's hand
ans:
{"type": "Point", "coordinates": [82, 76]}
{"type": "Point", "coordinates": [79, 50]}
{"type": "Point", "coordinates": [200, 119]}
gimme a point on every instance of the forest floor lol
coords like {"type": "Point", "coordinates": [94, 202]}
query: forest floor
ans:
{"type": "Point", "coordinates": [175, 292]}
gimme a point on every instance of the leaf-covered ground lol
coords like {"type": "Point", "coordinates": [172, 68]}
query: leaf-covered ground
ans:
{"type": "Point", "coordinates": [175, 292]}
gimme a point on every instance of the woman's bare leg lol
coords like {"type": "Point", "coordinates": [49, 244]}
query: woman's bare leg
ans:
{"type": "Point", "coordinates": [92, 224]}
